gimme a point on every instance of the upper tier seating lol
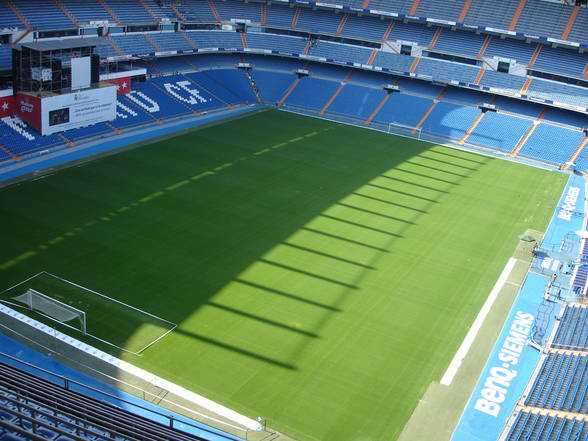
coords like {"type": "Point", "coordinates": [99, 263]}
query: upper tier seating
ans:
{"type": "Point", "coordinates": [441, 9]}
{"type": "Point", "coordinates": [560, 92]}
{"type": "Point", "coordinates": [341, 52]}
{"type": "Point", "coordinates": [196, 10]}
{"type": "Point", "coordinates": [131, 11]}
{"type": "Point", "coordinates": [39, 16]}
{"type": "Point", "coordinates": [284, 44]}
{"type": "Point", "coordinates": [460, 42]}
{"type": "Point", "coordinates": [84, 11]}
{"type": "Point", "coordinates": [228, 9]}
{"type": "Point", "coordinates": [320, 20]}
{"type": "Point", "coordinates": [9, 18]}
{"type": "Point", "coordinates": [171, 41]}
{"type": "Point", "coordinates": [561, 60]}
{"type": "Point", "coordinates": [543, 18]}
{"type": "Point", "coordinates": [279, 16]}
{"type": "Point", "coordinates": [447, 71]}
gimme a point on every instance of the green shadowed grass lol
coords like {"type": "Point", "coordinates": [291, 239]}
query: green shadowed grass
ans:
{"type": "Point", "coordinates": [321, 275]}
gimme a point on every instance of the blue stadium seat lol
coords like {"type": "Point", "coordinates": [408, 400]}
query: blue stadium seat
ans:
{"type": "Point", "coordinates": [460, 42]}
{"type": "Point", "coordinates": [551, 144]}
{"type": "Point", "coordinates": [228, 85]}
{"type": "Point", "coordinates": [187, 93]}
{"type": "Point", "coordinates": [131, 11]}
{"type": "Point", "coordinates": [403, 109]}
{"type": "Point", "coordinates": [499, 131]}
{"type": "Point", "coordinates": [285, 44]}
{"type": "Point", "coordinates": [171, 41]}
{"type": "Point", "coordinates": [272, 85]}
{"type": "Point", "coordinates": [325, 22]}
{"type": "Point", "coordinates": [228, 9]}
{"type": "Point", "coordinates": [563, 93]}
{"type": "Point", "coordinates": [356, 101]}
{"type": "Point", "coordinates": [84, 11]}
{"type": "Point", "coordinates": [365, 27]}
{"type": "Point", "coordinates": [440, 9]}
{"type": "Point", "coordinates": [311, 93]}
{"type": "Point", "coordinates": [196, 10]}
{"type": "Point", "coordinates": [543, 18]}
{"type": "Point", "coordinates": [39, 16]}
{"type": "Point", "coordinates": [341, 52]}
{"type": "Point", "coordinates": [561, 60]}
{"type": "Point", "coordinates": [450, 120]}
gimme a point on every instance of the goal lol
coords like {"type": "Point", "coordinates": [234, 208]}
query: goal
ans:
{"type": "Point", "coordinates": [53, 309]}
{"type": "Point", "coordinates": [404, 129]}
{"type": "Point", "coordinates": [64, 305]}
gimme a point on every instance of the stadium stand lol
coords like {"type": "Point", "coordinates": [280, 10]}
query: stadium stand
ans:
{"type": "Point", "coordinates": [365, 27]}
{"type": "Point", "coordinates": [551, 144]}
{"type": "Point", "coordinates": [561, 383]}
{"type": "Point", "coordinates": [572, 332]}
{"type": "Point", "coordinates": [543, 18]}
{"type": "Point", "coordinates": [439, 9]}
{"type": "Point", "coordinates": [30, 404]}
{"type": "Point", "coordinates": [450, 121]}
{"type": "Point", "coordinates": [311, 93]}
{"type": "Point", "coordinates": [341, 52]}
{"type": "Point", "coordinates": [41, 17]}
{"type": "Point", "coordinates": [131, 11]}
{"type": "Point", "coordinates": [356, 101]}
{"type": "Point", "coordinates": [272, 85]}
{"type": "Point", "coordinates": [196, 10]}
{"type": "Point", "coordinates": [460, 42]}
{"type": "Point", "coordinates": [403, 109]}
{"type": "Point", "coordinates": [530, 426]}
{"type": "Point", "coordinates": [229, 9]}
{"type": "Point", "coordinates": [563, 93]}
{"type": "Point", "coordinates": [561, 60]}
{"type": "Point", "coordinates": [499, 131]}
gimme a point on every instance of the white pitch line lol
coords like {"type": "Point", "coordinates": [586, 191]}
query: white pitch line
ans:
{"type": "Point", "coordinates": [471, 335]}
{"type": "Point", "coordinates": [210, 405]}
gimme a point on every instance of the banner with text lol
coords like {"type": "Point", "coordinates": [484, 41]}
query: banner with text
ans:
{"type": "Point", "coordinates": [78, 109]}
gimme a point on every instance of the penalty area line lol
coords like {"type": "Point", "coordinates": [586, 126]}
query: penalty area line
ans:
{"type": "Point", "coordinates": [473, 332]}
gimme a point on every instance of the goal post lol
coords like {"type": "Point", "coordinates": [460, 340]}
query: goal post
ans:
{"type": "Point", "coordinates": [394, 127]}
{"type": "Point", "coordinates": [57, 302]}
{"type": "Point", "coordinates": [53, 309]}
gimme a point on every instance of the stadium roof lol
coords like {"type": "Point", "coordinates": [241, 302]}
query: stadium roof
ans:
{"type": "Point", "coordinates": [70, 43]}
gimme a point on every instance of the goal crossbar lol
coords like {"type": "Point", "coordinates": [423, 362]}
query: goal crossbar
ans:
{"type": "Point", "coordinates": [52, 308]}
{"type": "Point", "coordinates": [398, 127]}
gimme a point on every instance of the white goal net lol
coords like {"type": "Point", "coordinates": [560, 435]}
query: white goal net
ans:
{"type": "Point", "coordinates": [52, 308]}
{"type": "Point", "coordinates": [404, 129]}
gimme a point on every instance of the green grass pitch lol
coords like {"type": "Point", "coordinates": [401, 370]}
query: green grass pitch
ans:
{"type": "Point", "coordinates": [321, 275]}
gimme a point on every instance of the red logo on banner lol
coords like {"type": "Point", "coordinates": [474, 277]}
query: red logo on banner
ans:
{"type": "Point", "coordinates": [29, 109]}
{"type": "Point", "coordinates": [6, 106]}
{"type": "Point", "coordinates": [123, 85]}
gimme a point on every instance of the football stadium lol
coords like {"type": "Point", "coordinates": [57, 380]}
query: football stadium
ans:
{"type": "Point", "coordinates": [293, 220]}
